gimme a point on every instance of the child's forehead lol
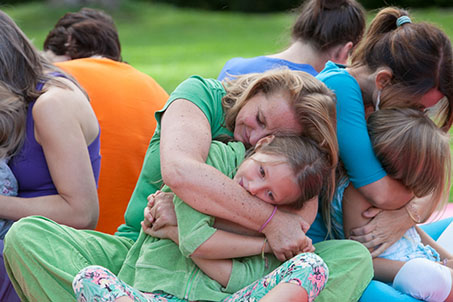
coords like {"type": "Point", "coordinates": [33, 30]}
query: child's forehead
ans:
{"type": "Point", "coordinates": [269, 158]}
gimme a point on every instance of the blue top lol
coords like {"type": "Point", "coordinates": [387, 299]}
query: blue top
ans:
{"type": "Point", "coordinates": [238, 66]}
{"type": "Point", "coordinates": [356, 150]}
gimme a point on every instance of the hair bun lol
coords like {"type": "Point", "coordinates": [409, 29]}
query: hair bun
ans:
{"type": "Point", "coordinates": [331, 4]}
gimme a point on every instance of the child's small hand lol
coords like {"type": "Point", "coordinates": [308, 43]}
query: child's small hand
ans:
{"type": "Point", "coordinates": [160, 210]}
{"type": "Point", "coordinates": [167, 232]}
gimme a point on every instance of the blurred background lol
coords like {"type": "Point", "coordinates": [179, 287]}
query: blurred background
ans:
{"type": "Point", "coordinates": [173, 39]}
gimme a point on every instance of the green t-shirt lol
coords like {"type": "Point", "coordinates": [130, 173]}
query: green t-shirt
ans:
{"type": "Point", "coordinates": [207, 94]}
{"type": "Point", "coordinates": [160, 265]}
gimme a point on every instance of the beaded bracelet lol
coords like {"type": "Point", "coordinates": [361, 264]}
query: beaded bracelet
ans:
{"type": "Point", "coordinates": [268, 220]}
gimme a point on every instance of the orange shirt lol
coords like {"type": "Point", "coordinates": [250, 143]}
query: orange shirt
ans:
{"type": "Point", "coordinates": [124, 101]}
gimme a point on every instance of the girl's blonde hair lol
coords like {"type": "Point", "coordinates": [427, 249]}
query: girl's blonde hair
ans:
{"type": "Point", "coordinates": [413, 150]}
{"type": "Point", "coordinates": [309, 163]}
{"type": "Point", "coordinates": [313, 103]}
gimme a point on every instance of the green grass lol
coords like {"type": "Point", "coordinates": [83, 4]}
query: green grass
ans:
{"type": "Point", "coordinates": [171, 43]}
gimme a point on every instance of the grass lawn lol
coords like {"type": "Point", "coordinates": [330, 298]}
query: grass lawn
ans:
{"type": "Point", "coordinates": [171, 44]}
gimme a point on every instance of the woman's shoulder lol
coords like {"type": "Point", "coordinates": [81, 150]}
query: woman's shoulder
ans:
{"type": "Point", "coordinates": [64, 102]}
{"type": "Point", "coordinates": [60, 94]}
{"type": "Point", "coordinates": [336, 77]}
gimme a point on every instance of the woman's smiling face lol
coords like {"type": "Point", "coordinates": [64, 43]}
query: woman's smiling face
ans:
{"type": "Point", "coordinates": [264, 114]}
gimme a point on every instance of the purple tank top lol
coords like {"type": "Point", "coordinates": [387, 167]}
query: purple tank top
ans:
{"type": "Point", "coordinates": [30, 166]}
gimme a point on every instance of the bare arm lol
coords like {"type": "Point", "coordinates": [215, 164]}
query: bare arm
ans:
{"type": "Point", "coordinates": [353, 205]}
{"type": "Point", "coordinates": [63, 127]}
{"type": "Point", "coordinates": [385, 270]}
{"type": "Point", "coordinates": [308, 212]}
{"type": "Point", "coordinates": [184, 148]}
{"type": "Point", "coordinates": [214, 256]}
{"type": "Point", "coordinates": [386, 193]}
{"type": "Point", "coordinates": [427, 240]}
{"type": "Point", "coordinates": [386, 227]}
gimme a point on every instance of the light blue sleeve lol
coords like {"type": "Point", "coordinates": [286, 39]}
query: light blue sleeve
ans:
{"type": "Point", "coordinates": [356, 151]}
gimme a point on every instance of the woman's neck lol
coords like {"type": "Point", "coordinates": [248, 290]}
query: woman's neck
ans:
{"type": "Point", "coordinates": [366, 81]}
{"type": "Point", "coordinates": [303, 53]}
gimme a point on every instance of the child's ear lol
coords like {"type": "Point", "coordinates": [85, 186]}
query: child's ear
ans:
{"type": "Point", "coordinates": [264, 141]}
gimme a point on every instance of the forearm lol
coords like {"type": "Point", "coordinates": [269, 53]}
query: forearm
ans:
{"type": "Point", "coordinates": [78, 213]}
{"type": "Point", "coordinates": [225, 245]}
{"type": "Point", "coordinates": [386, 194]}
{"type": "Point", "coordinates": [219, 270]}
{"type": "Point", "coordinates": [308, 212]}
{"type": "Point", "coordinates": [427, 240]}
{"type": "Point", "coordinates": [354, 204]}
{"type": "Point", "coordinates": [212, 193]}
{"type": "Point", "coordinates": [385, 270]}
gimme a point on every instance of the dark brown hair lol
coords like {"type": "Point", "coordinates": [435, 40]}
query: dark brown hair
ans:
{"type": "Point", "coordinates": [419, 55]}
{"type": "Point", "coordinates": [328, 23]}
{"type": "Point", "coordinates": [91, 37]}
{"type": "Point", "coordinates": [83, 34]}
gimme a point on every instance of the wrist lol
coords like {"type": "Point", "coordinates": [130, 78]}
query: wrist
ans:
{"type": "Point", "coordinates": [174, 234]}
{"type": "Point", "coordinates": [268, 222]}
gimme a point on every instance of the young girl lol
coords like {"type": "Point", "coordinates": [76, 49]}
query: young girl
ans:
{"type": "Point", "coordinates": [276, 172]}
{"type": "Point", "coordinates": [413, 150]}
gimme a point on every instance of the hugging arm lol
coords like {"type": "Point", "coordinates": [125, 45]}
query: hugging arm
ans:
{"type": "Point", "coordinates": [363, 168]}
{"type": "Point", "coordinates": [184, 148]}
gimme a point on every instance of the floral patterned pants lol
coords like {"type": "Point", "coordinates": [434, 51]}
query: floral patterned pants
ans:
{"type": "Point", "coordinates": [97, 284]}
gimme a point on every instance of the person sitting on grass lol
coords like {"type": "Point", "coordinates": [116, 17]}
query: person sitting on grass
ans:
{"type": "Point", "coordinates": [284, 171]}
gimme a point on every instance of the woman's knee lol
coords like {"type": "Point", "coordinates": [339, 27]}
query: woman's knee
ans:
{"type": "Point", "coordinates": [20, 231]}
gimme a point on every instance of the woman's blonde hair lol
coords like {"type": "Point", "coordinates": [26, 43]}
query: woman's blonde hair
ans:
{"type": "Point", "coordinates": [313, 103]}
{"type": "Point", "coordinates": [413, 150]}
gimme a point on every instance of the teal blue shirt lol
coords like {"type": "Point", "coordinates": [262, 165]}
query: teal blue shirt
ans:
{"type": "Point", "coordinates": [356, 150]}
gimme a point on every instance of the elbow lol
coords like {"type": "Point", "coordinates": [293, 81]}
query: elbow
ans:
{"type": "Point", "coordinates": [387, 201]}
{"type": "Point", "coordinates": [173, 174]}
{"type": "Point", "coordinates": [200, 253]}
{"type": "Point", "coordinates": [91, 221]}
{"type": "Point", "coordinates": [87, 218]}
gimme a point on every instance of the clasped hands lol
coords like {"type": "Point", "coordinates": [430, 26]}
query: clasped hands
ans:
{"type": "Point", "coordinates": [285, 232]}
